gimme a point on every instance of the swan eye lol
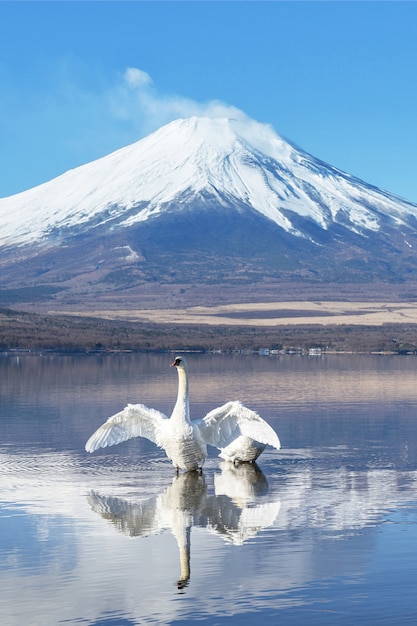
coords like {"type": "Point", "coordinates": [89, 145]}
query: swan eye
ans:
{"type": "Point", "coordinates": [177, 362]}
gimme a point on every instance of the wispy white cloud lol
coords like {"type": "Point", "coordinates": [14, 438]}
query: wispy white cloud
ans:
{"type": "Point", "coordinates": [135, 100]}
{"type": "Point", "coordinates": [137, 78]}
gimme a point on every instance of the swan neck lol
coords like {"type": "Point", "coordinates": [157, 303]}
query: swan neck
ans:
{"type": "Point", "coordinates": [182, 407]}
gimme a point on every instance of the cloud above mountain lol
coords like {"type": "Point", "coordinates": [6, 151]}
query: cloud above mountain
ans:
{"type": "Point", "coordinates": [136, 100]}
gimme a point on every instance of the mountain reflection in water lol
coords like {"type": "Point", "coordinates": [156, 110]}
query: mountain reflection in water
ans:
{"type": "Point", "coordinates": [233, 512]}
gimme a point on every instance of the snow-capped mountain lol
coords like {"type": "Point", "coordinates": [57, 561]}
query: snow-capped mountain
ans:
{"type": "Point", "coordinates": [231, 191]}
{"type": "Point", "coordinates": [233, 162]}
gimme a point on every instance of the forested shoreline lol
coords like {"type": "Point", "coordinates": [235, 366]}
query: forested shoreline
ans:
{"type": "Point", "coordinates": [20, 330]}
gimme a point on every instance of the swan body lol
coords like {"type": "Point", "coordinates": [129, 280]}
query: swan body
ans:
{"type": "Point", "coordinates": [239, 433]}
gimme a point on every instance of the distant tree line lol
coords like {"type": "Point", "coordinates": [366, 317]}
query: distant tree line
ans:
{"type": "Point", "coordinates": [30, 331]}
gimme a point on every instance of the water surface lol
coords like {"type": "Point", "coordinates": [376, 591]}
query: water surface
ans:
{"type": "Point", "coordinates": [322, 532]}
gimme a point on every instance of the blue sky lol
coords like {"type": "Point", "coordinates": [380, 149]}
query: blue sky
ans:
{"type": "Point", "coordinates": [81, 79]}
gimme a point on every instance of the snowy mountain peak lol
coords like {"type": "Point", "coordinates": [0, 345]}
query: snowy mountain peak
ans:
{"type": "Point", "coordinates": [239, 163]}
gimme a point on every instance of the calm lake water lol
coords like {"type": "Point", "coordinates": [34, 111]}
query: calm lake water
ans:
{"type": "Point", "coordinates": [323, 532]}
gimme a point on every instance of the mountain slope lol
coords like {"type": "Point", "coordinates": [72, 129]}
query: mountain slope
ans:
{"type": "Point", "coordinates": [205, 200]}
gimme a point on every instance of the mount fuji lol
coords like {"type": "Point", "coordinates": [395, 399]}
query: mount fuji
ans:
{"type": "Point", "coordinates": [204, 201]}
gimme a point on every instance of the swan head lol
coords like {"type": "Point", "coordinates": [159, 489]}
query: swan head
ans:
{"type": "Point", "coordinates": [180, 363]}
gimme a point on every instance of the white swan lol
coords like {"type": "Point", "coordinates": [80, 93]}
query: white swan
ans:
{"type": "Point", "coordinates": [238, 432]}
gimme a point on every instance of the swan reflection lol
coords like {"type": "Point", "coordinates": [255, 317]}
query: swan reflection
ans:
{"type": "Point", "coordinates": [237, 488]}
{"type": "Point", "coordinates": [233, 512]}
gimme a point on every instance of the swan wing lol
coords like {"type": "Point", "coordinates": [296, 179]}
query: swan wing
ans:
{"type": "Point", "coordinates": [223, 424]}
{"type": "Point", "coordinates": [136, 420]}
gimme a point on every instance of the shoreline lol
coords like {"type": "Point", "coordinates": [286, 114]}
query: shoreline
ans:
{"type": "Point", "coordinates": [76, 332]}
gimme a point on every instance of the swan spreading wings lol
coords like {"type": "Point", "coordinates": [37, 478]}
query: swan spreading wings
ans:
{"type": "Point", "coordinates": [239, 433]}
